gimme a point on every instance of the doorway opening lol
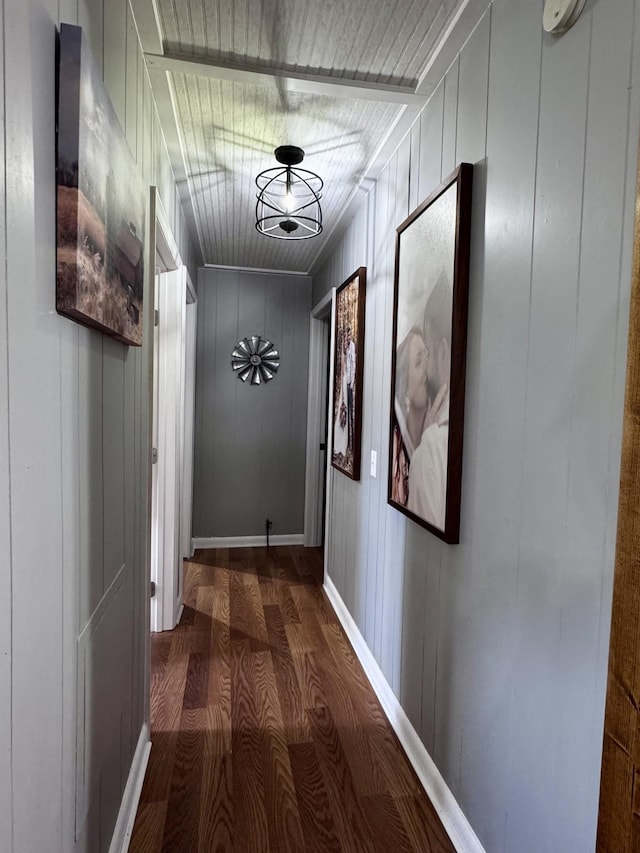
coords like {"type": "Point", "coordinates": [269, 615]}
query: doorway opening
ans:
{"type": "Point", "coordinates": [172, 425]}
{"type": "Point", "coordinates": [318, 469]}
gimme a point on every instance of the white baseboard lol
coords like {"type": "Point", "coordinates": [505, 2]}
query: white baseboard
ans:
{"type": "Point", "coordinates": [248, 541]}
{"type": "Point", "coordinates": [453, 819]}
{"type": "Point", "coordinates": [131, 797]}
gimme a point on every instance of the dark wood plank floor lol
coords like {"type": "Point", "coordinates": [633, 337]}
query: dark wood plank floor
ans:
{"type": "Point", "coordinates": [267, 737]}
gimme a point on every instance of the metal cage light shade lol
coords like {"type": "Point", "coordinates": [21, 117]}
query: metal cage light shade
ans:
{"type": "Point", "coordinates": [288, 205]}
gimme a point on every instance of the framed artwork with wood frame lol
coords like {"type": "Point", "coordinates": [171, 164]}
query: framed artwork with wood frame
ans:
{"type": "Point", "coordinates": [429, 357]}
{"type": "Point", "coordinates": [348, 364]}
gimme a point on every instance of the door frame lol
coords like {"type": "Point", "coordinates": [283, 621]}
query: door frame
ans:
{"type": "Point", "coordinates": [188, 423]}
{"type": "Point", "coordinates": [164, 567]}
{"type": "Point", "coordinates": [318, 415]}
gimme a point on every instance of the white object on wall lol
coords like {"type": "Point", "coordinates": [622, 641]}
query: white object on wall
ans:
{"type": "Point", "coordinates": [561, 15]}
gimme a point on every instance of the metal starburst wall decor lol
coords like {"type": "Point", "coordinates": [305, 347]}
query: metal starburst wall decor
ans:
{"type": "Point", "coordinates": [255, 358]}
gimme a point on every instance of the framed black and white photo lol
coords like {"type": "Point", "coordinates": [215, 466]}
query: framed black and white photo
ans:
{"type": "Point", "coordinates": [347, 375]}
{"type": "Point", "coordinates": [429, 357]}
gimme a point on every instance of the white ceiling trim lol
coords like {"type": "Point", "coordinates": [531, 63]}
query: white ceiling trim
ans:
{"type": "Point", "coordinates": [333, 87]}
{"type": "Point", "coordinates": [257, 270]}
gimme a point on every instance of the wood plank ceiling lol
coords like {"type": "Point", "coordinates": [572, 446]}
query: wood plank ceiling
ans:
{"type": "Point", "coordinates": [233, 79]}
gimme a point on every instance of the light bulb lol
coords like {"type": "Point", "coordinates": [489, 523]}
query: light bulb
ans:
{"type": "Point", "coordinates": [289, 201]}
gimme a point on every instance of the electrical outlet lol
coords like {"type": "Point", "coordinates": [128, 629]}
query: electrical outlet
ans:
{"type": "Point", "coordinates": [374, 463]}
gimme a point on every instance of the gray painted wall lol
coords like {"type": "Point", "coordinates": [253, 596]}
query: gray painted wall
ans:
{"type": "Point", "coordinates": [250, 441]}
{"type": "Point", "coordinates": [73, 463]}
{"type": "Point", "coordinates": [497, 648]}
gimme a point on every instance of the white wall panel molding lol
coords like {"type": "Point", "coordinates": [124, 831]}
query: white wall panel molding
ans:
{"type": "Point", "coordinates": [453, 818]}
{"type": "Point", "coordinates": [131, 797]}
{"type": "Point", "coordinates": [246, 541]}
{"type": "Point", "coordinates": [98, 723]}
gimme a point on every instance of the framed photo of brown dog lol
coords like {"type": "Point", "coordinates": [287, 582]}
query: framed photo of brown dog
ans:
{"type": "Point", "coordinates": [429, 357]}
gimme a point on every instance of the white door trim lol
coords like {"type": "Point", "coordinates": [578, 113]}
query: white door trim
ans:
{"type": "Point", "coordinates": [316, 417]}
{"type": "Point", "coordinates": [167, 516]}
{"type": "Point", "coordinates": [167, 432]}
{"type": "Point", "coordinates": [191, 309]}
{"type": "Point", "coordinates": [167, 254]}
{"type": "Point", "coordinates": [328, 531]}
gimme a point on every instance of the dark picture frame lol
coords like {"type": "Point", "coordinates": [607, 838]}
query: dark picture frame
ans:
{"type": "Point", "coordinates": [101, 202]}
{"type": "Point", "coordinates": [431, 285]}
{"type": "Point", "coordinates": [348, 369]}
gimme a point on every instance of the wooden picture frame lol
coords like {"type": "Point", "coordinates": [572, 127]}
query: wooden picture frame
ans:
{"type": "Point", "coordinates": [429, 357]}
{"type": "Point", "coordinates": [101, 202]}
{"type": "Point", "coordinates": [348, 365]}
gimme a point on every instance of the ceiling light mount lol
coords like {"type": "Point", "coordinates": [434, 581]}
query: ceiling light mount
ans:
{"type": "Point", "coordinates": [288, 206]}
{"type": "Point", "coordinates": [289, 155]}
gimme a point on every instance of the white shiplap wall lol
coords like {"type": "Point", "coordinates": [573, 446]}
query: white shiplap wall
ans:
{"type": "Point", "coordinates": [73, 462]}
{"type": "Point", "coordinates": [6, 805]}
{"type": "Point", "coordinates": [497, 648]}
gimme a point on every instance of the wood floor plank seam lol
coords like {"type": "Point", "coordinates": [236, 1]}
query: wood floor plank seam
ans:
{"type": "Point", "coordinates": [266, 735]}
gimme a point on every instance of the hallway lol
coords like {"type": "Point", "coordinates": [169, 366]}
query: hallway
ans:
{"type": "Point", "coordinates": [266, 734]}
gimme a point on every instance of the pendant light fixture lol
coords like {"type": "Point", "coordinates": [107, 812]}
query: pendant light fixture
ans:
{"type": "Point", "coordinates": [288, 206]}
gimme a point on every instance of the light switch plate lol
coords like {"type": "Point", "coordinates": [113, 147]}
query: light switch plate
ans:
{"type": "Point", "coordinates": [374, 463]}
